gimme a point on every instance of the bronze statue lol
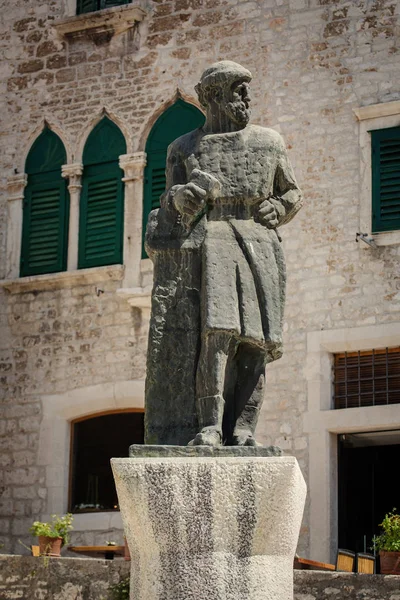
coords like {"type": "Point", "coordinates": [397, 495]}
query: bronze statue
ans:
{"type": "Point", "coordinates": [229, 187]}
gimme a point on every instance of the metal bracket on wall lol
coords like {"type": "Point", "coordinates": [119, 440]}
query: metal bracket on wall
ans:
{"type": "Point", "coordinates": [364, 237]}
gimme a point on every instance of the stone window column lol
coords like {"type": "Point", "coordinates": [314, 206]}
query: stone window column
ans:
{"type": "Point", "coordinates": [74, 174]}
{"type": "Point", "coordinates": [133, 166]}
{"type": "Point", "coordinates": [15, 188]}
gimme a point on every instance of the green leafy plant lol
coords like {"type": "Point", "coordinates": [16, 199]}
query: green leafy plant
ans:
{"type": "Point", "coordinates": [120, 591]}
{"type": "Point", "coordinates": [389, 539]}
{"type": "Point", "coordinates": [57, 527]}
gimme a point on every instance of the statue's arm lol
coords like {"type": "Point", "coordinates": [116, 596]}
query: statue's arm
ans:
{"type": "Point", "coordinates": [186, 195]}
{"type": "Point", "coordinates": [286, 196]}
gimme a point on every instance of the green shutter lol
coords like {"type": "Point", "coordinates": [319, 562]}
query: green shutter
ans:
{"type": "Point", "coordinates": [109, 3]}
{"type": "Point", "coordinates": [85, 6]}
{"type": "Point", "coordinates": [385, 179]}
{"type": "Point", "coordinates": [101, 216]}
{"type": "Point", "coordinates": [45, 209]}
{"type": "Point", "coordinates": [155, 180]}
{"type": "Point", "coordinates": [44, 247]}
{"type": "Point", "coordinates": [178, 119]}
{"type": "Point", "coordinates": [102, 199]}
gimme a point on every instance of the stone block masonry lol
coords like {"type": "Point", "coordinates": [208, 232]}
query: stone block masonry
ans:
{"type": "Point", "coordinates": [24, 578]}
{"type": "Point", "coordinates": [313, 62]}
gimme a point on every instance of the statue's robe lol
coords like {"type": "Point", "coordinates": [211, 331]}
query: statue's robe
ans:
{"type": "Point", "coordinates": [226, 272]}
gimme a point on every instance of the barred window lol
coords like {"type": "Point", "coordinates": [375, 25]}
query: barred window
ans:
{"type": "Point", "coordinates": [367, 378]}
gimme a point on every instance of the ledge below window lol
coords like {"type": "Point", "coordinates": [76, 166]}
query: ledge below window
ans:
{"type": "Point", "coordinates": [136, 297]}
{"type": "Point", "coordinates": [386, 238]}
{"type": "Point", "coordinates": [65, 279]}
{"type": "Point", "coordinates": [106, 22]}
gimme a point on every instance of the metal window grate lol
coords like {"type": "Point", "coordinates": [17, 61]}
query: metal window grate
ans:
{"type": "Point", "coordinates": [366, 378]}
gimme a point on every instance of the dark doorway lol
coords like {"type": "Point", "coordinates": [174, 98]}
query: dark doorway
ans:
{"type": "Point", "coordinates": [369, 486]}
{"type": "Point", "coordinates": [94, 441]}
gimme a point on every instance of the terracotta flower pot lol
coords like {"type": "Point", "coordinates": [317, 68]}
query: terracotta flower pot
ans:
{"type": "Point", "coordinates": [49, 546]}
{"type": "Point", "coordinates": [127, 554]}
{"type": "Point", "coordinates": [390, 563]}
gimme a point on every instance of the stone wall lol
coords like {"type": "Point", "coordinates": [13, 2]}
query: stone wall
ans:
{"type": "Point", "coordinates": [25, 578]}
{"type": "Point", "coordinates": [313, 62]}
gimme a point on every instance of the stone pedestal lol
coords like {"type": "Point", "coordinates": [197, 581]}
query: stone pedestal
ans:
{"type": "Point", "coordinates": [210, 527]}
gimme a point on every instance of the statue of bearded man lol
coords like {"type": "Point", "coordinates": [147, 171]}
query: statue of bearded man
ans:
{"type": "Point", "coordinates": [230, 186]}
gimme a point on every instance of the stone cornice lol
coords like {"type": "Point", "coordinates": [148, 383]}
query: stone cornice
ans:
{"type": "Point", "coordinates": [65, 279]}
{"type": "Point", "coordinates": [384, 109]}
{"type": "Point", "coordinates": [136, 297]}
{"type": "Point", "coordinates": [133, 165]}
{"type": "Point", "coordinates": [106, 22]}
{"type": "Point", "coordinates": [15, 186]}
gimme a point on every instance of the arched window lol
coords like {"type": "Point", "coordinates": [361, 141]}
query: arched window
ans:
{"type": "Point", "coordinates": [84, 6]}
{"type": "Point", "coordinates": [178, 119]}
{"type": "Point", "coordinates": [45, 208]}
{"type": "Point", "coordinates": [94, 441]}
{"type": "Point", "coordinates": [102, 201]}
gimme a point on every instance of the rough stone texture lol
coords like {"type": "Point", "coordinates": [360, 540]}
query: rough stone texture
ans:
{"type": "Point", "coordinates": [53, 341]}
{"type": "Point", "coordinates": [25, 577]}
{"type": "Point", "coordinates": [313, 61]}
{"type": "Point", "coordinates": [315, 585]}
{"type": "Point", "coordinates": [211, 527]}
{"type": "Point", "coordinates": [147, 451]}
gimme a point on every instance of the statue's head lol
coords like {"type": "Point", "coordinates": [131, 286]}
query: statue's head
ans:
{"type": "Point", "coordinates": [225, 87]}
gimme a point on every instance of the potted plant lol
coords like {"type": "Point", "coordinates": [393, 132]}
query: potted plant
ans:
{"type": "Point", "coordinates": [52, 536]}
{"type": "Point", "coordinates": [388, 544]}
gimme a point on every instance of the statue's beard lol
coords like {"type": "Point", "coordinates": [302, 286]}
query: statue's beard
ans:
{"type": "Point", "coordinates": [238, 112]}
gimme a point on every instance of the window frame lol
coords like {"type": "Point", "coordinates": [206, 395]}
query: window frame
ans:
{"type": "Point", "coordinates": [378, 136]}
{"type": "Point", "coordinates": [322, 423]}
{"type": "Point", "coordinates": [103, 148]}
{"type": "Point", "coordinates": [43, 168]}
{"type": "Point", "coordinates": [377, 116]}
{"type": "Point", "coordinates": [71, 454]}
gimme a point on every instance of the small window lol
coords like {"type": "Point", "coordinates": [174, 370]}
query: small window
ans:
{"type": "Point", "coordinates": [94, 442]}
{"type": "Point", "coordinates": [45, 208]}
{"type": "Point", "coordinates": [367, 378]}
{"type": "Point", "coordinates": [101, 212]}
{"type": "Point", "coordinates": [385, 145]}
{"type": "Point", "coordinates": [85, 6]}
{"type": "Point", "coordinates": [178, 119]}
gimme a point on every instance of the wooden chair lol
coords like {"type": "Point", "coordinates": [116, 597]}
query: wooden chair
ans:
{"type": "Point", "coordinates": [365, 563]}
{"type": "Point", "coordinates": [314, 565]}
{"type": "Point", "coordinates": [345, 561]}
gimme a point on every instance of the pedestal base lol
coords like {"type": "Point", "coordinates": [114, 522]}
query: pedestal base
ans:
{"type": "Point", "coordinates": [205, 528]}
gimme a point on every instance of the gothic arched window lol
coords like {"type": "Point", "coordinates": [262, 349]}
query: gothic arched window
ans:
{"type": "Point", "coordinates": [178, 119]}
{"type": "Point", "coordinates": [45, 208]}
{"type": "Point", "coordinates": [101, 214]}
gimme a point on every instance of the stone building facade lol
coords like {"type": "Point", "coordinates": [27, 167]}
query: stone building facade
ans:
{"type": "Point", "coordinates": [73, 343]}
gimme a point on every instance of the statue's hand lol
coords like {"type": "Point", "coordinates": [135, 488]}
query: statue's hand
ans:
{"type": "Point", "coordinates": [267, 215]}
{"type": "Point", "coordinates": [189, 199]}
